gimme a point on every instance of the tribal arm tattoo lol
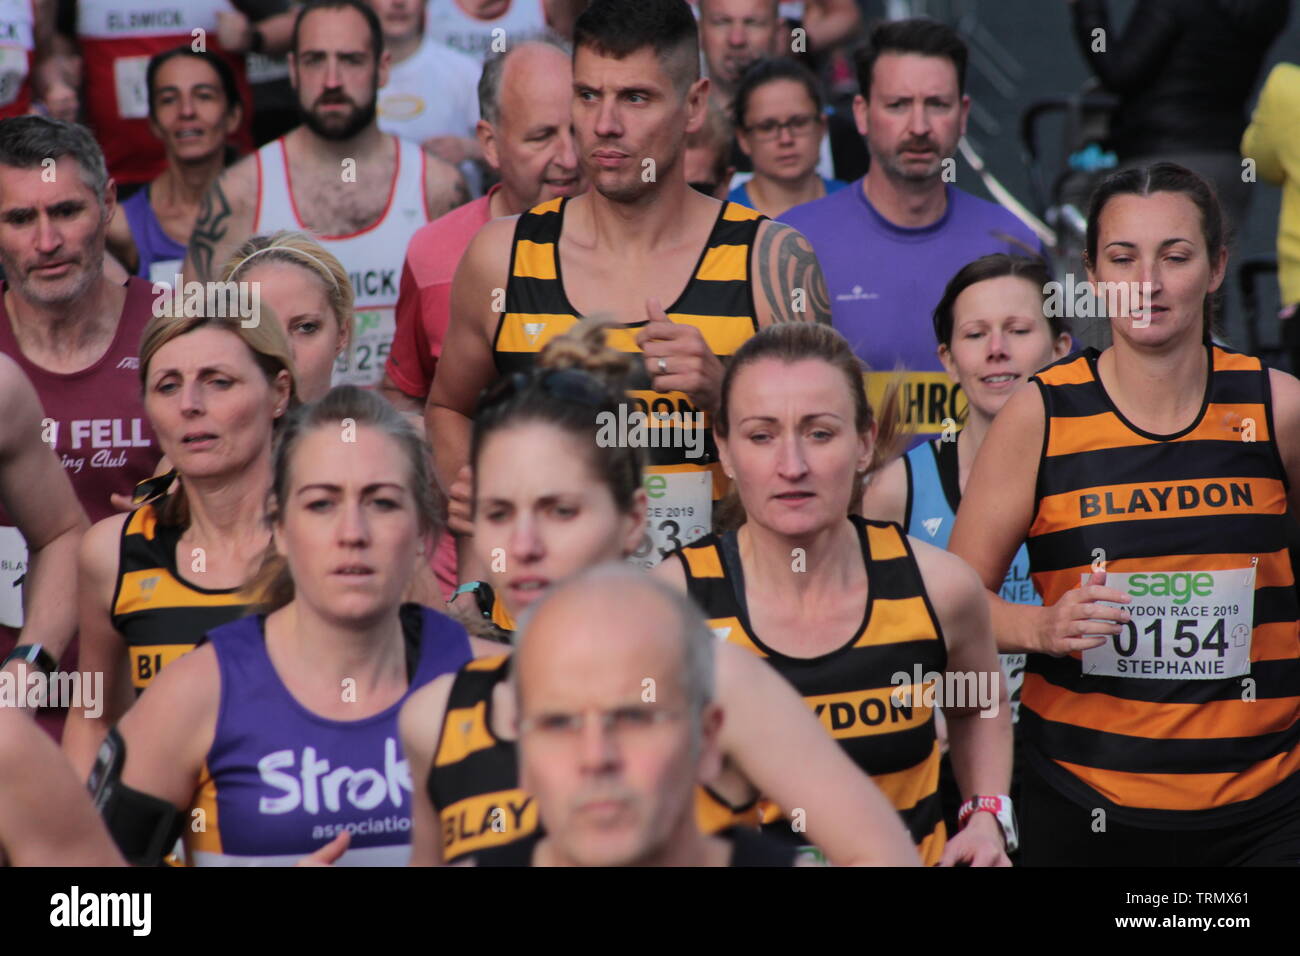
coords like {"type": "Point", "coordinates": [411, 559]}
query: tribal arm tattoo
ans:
{"type": "Point", "coordinates": [794, 288]}
{"type": "Point", "coordinates": [209, 231]}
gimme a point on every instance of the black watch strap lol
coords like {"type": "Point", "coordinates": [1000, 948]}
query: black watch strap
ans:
{"type": "Point", "coordinates": [33, 654]}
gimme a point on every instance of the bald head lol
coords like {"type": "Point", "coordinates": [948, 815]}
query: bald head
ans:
{"type": "Point", "coordinates": [522, 64]}
{"type": "Point", "coordinates": [612, 674]}
{"type": "Point", "coordinates": [581, 614]}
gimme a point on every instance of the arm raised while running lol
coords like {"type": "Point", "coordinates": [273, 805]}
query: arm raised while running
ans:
{"type": "Point", "coordinates": [103, 651]}
{"type": "Point", "coordinates": [43, 506]}
{"type": "Point", "coordinates": [46, 817]}
{"type": "Point", "coordinates": [976, 709]}
{"type": "Point", "coordinates": [996, 511]}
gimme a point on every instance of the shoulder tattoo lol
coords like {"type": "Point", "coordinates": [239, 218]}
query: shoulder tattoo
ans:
{"type": "Point", "coordinates": [209, 230]}
{"type": "Point", "coordinates": [792, 278]}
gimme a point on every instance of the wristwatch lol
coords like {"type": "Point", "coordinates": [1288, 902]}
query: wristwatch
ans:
{"type": "Point", "coordinates": [1000, 807]}
{"type": "Point", "coordinates": [33, 654]}
{"type": "Point", "coordinates": [483, 596]}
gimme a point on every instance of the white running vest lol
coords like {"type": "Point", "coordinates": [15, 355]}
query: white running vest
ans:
{"type": "Point", "coordinates": [445, 22]}
{"type": "Point", "coordinates": [372, 257]}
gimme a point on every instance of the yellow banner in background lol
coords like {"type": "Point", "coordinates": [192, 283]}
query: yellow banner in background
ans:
{"type": "Point", "coordinates": [926, 399]}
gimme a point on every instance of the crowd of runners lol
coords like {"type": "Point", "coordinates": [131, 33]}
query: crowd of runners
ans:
{"type": "Point", "coordinates": [548, 432]}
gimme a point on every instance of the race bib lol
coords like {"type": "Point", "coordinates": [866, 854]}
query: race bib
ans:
{"type": "Point", "coordinates": [1186, 625]}
{"type": "Point", "coordinates": [132, 90]}
{"type": "Point", "coordinates": [13, 70]}
{"type": "Point", "coordinates": [13, 567]}
{"type": "Point", "coordinates": [164, 271]}
{"type": "Point", "coordinates": [372, 336]}
{"type": "Point", "coordinates": [1013, 672]}
{"type": "Point", "coordinates": [680, 511]}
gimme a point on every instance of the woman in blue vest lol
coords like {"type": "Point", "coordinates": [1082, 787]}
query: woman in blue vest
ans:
{"type": "Point", "coordinates": [279, 735]}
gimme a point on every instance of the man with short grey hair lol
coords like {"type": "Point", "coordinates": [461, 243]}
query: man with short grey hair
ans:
{"type": "Point", "coordinates": [614, 677]}
{"type": "Point", "coordinates": [525, 97]}
{"type": "Point", "coordinates": [75, 333]}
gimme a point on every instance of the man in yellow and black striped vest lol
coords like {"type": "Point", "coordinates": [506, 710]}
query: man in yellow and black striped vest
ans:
{"type": "Point", "coordinates": [688, 278]}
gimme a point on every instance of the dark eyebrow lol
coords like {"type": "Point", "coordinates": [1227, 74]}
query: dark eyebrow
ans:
{"type": "Point", "coordinates": [336, 489]}
{"type": "Point", "coordinates": [205, 370]}
{"type": "Point", "coordinates": [806, 418]}
{"type": "Point", "coordinates": [1163, 245]}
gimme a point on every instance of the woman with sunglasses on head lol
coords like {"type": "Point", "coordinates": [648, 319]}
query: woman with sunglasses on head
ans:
{"type": "Point", "coordinates": [861, 619]}
{"type": "Point", "coordinates": [154, 580]}
{"type": "Point", "coordinates": [1150, 481]}
{"type": "Point", "coordinates": [780, 123]}
{"type": "Point", "coordinates": [280, 731]}
{"type": "Point", "coordinates": [552, 497]}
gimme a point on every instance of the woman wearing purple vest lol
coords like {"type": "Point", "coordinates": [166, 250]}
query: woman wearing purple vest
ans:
{"type": "Point", "coordinates": [194, 107]}
{"type": "Point", "coordinates": [279, 734]}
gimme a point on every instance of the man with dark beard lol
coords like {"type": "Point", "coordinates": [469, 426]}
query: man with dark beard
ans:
{"type": "Point", "coordinates": [360, 192]}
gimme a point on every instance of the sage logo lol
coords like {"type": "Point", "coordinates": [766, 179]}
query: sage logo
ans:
{"type": "Point", "coordinates": [1180, 585]}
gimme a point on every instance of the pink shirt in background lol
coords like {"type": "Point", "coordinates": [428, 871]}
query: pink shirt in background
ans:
{"type": "Point", "coordinates": [423, 312]}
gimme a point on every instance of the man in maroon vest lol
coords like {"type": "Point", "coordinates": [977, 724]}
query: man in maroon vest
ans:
{"type": "Point", "coordinates": [72, 331]}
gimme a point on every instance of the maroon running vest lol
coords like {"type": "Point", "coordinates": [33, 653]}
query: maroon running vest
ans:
{"type": "Point", "coordinates": [100, 431]}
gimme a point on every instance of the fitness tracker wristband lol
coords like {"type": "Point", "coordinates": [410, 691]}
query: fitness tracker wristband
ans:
{"type": "Point", "coordinates": [1000, 807]}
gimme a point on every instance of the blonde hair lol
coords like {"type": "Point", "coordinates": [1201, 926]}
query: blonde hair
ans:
{"type": "Point", "coordinates": [299, 249]}
{"type": "Point", "coordinates": [266, 341]}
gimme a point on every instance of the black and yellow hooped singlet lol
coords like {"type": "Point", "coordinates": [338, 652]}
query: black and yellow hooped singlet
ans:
{"type": "Point", "coordinates": [851, 689]}
{"type": "Point", "coordinates": [718, 300]}
{"type": "Point", "coordinates": [473, 780]}
{"type": "Point", "coordinates": [1191, 716]}
{"type": "Point", "coordinates": [160, 615]}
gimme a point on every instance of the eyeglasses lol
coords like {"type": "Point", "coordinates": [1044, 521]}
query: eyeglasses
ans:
{"type": "Point", "coordinates": [622, 723]}
{"type": "Point", "coordinates": [566, 384]}
{"type": "Point", "coordinates": [799, 125]}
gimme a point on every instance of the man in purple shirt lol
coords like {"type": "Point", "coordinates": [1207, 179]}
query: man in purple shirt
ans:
{"type": "Point", "coordinates": [890, 242]}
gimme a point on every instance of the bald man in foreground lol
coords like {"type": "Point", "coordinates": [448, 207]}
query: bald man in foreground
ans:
{"type": "Point", "coordinates": [617, 726]}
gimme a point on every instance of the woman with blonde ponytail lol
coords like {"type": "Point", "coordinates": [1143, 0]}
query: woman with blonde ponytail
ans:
{"type": "Point", "coordinates": [865, 622]}
{"type": "Point", "coordinates": [550, 499]}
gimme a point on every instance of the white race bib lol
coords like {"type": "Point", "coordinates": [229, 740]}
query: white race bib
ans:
{"type": "Point", "coordinates": [129, 74]}
{"type": "Point", "coordinates": [1186, 625]}
{"type": "Point", "coordinates": [13, 566]}
{"type": "Point", "coordinates": [165, 271]}
{"type": "Point", "coordinates": [372, 337]}
{"type": "Point", "coordinates": [1013, 672]}
{"type": "Point", "coordinates": [13, 71]}
{"type": "Point", "coordinates": [680, 511]}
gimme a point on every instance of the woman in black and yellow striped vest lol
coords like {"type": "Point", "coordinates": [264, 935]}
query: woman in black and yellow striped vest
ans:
{"type": "Point", "coordinates": [872, 627]}
{"type": "Point", "coordinates": [155, 580]}
{"type": "Point", "coordinates": [1160, 711]}
{"type": "Point", "coordinates": [551, 499]}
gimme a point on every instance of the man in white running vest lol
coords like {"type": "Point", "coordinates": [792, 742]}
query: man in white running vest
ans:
{"type": "Point", "coordinates": [359, 191]}
{"type": "Point", "coordinates": [483, 27]}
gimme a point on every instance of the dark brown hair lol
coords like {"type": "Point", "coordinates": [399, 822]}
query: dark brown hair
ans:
{"type": "Point", "coordinates": [1164, 178]}
{"type": "Point", "coordinates": [995, 266]}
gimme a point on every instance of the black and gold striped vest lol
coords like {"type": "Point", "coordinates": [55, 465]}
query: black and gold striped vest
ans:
{"type": "Point", "coordinates": [851, 689]}
{"type": "Point", "coordinates": [160, 615]}
{"type": "Point", "coordinates": [1166, 752]}
{"type": "Point", "coordinates": [719, 301]}
{"type": "Point", "coordinates": [473, 780]}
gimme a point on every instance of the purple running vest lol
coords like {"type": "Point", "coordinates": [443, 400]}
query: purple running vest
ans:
{"type": "Point", "coordinates": [280, 782]}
